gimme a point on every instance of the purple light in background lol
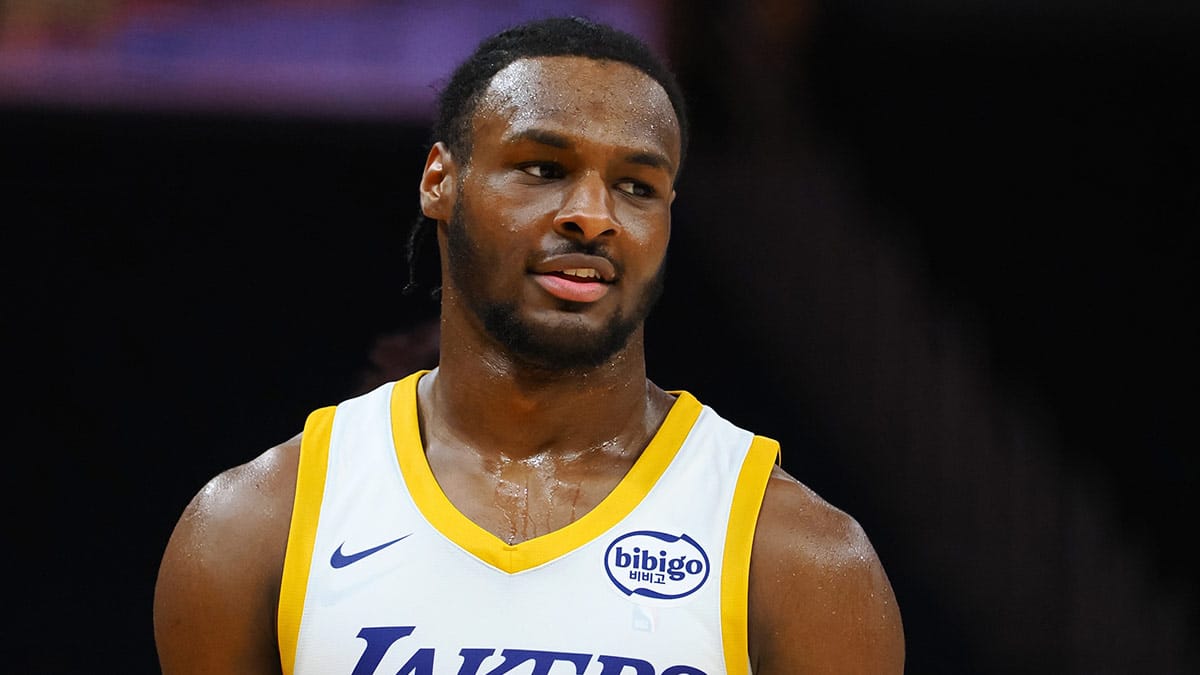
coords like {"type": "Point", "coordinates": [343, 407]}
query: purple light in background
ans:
{"type": "Point", "coordinates": [342, 59]}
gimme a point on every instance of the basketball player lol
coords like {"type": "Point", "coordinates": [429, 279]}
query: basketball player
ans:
{"type": "Point", "coordinates": [534, 504]}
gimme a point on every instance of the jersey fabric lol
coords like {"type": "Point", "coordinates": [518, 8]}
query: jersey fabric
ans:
{"type": "Point", "coordinates": [383, 575]}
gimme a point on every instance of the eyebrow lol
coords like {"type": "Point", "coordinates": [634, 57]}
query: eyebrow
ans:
{"type": "Point", "coordinates": [556, 140]}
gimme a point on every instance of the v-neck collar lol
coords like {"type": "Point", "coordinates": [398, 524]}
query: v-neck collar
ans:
{"type": "Point", "coordinates": [436, 507]}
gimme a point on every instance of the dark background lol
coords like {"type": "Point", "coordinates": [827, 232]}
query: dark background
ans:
{"type": "Point", "coordinates": [945, 255]}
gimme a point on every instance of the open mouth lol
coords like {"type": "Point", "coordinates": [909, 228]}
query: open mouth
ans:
{"type": "Point", "coordinates": [575, 277]}
{"type": "Point", "coordinates": [581, 285]}
{"type": "Point", "coordinates": [581, 273]}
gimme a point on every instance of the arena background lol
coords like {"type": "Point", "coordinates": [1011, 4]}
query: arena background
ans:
{"type": "Point", "coordinates": [946, 253]}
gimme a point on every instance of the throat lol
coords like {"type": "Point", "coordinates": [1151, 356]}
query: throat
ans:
{"type": "Point", "coordinates": [524, 511]}
{"type": "Point", "coordinates": [534, 469]}
{"type": "Point", "coordinates": [519, 500]}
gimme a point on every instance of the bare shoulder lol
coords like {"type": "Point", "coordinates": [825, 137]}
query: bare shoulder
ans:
{"type": "Point", "coordinates": [218, 583]}
{"type": "Point", "coordinates": [820, 601]}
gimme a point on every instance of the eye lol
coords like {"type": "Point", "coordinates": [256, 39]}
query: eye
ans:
{"type": "Point", "coordinates": [545, 170]}
{"type": "Point", "coordinates": [635, 188]}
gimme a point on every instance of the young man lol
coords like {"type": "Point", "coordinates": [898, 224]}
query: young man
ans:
{"type": "Point", "coordinates": [534, 505]}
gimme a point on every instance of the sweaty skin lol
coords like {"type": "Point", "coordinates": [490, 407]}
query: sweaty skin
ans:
{"type": "Point", "coordinates": [570, 174]}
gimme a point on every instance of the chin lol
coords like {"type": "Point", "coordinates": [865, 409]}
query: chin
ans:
{"type": "Point", "coordinates": [568, 344]}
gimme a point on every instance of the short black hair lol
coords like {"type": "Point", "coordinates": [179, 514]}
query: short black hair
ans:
{"type": "Point", "coordinates": [458, 100]}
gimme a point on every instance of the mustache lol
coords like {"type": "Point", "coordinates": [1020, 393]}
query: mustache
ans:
{"type": "Point", "coordinates": [564, 247]}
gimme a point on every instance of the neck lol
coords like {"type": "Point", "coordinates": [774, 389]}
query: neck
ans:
{"type": "Point", "coordinates": [482, 398]}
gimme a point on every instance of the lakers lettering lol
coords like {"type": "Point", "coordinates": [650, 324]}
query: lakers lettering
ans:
{"type": "Point", "coordinates": [492, 661]}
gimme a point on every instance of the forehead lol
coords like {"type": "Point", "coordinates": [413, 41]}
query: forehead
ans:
{"type": "Point", "coordinates": [608, 100]}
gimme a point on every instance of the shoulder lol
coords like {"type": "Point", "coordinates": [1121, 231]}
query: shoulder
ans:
{"type": "Point", "coordinates": [218, 582]}
{"type": "Point", "coordinates": [252, 498]}
{"type": "Point", "coordinates": [820, 600]}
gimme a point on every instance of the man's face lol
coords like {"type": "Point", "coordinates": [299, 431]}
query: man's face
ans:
{"type": "Point", "coordinates": [559, 229]}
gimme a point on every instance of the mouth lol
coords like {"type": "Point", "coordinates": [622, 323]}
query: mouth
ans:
{"type": "Point", "coordinates": [583, 273]}
{"type": "Point", "coordinates": [575, 277]}
{"type": "Point", "coordinates": [577, 267]}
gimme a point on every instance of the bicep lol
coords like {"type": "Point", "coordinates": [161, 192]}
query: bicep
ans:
{"type": "Point", "coordinates": [820, 599]}
{"type": "Point", "coordinates": [217, 585]}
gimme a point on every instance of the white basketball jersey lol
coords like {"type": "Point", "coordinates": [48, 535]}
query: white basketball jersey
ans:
{"type": "Point", "coordinates": [383, 576]}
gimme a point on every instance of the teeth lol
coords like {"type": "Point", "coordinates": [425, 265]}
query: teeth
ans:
{"type": "Point", "coordinates": [582, 273]}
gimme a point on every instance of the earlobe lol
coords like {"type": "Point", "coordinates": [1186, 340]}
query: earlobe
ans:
{"type": "Point", "coordinates": [438, 183]}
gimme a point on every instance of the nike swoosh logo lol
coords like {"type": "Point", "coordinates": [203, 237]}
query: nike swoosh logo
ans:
{"type": "Point", "coordinates": [338, 560]}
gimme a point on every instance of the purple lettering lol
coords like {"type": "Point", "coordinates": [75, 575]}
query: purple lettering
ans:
{"type": "Point", "coordinates": [472, 660]}
{"type": "Point", "coordinates": [379, 640]}
{"type": "Point", "coordinates": [422, 660]}
{"type": "Point", "coordinates": [542, 661]}
{"type": "Point", "coordinates": [616, 665]}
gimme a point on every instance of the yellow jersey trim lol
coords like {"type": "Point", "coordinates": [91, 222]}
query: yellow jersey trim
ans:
{"type": "Point", "coordinates": [739, 541]}
{"type": "Point", "coordinates": [302, 534]}
{"type": "Point", "coordinates": [513, 558]}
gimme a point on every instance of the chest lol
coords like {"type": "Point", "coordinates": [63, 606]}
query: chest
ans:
{"type": "Point", "coordinates": [630, 586]}
{"type": "Point", "coordinates": [387, 574]}
{"type": "Point", "coordinates": [518, 501]}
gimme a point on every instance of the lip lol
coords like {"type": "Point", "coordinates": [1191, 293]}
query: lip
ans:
{"type": "Point", "coordinates": [547, 273]}
{"type": "Point", "coordinates": [569, 261]}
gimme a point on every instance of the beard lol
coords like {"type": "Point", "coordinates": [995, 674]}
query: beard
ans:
{"type": "Point", "coordinates": [569, 346]}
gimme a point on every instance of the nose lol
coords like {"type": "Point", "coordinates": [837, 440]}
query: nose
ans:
{"type": "Point", "coordinates": [586, 212]}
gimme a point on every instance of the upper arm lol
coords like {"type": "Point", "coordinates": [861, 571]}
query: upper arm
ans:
{"type": "Point", "coordinates": [218, 582]}
{"type": "Point", "coordinates": [820, 601]}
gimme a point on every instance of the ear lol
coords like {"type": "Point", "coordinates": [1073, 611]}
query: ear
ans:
{"type": "Point", "coordinates": [438, 182]}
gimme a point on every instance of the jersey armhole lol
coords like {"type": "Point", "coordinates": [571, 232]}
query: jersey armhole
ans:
{"type": "Point", "coordinates": [756, 469]}
{"type": "Point", "coordinates": [306, 509]}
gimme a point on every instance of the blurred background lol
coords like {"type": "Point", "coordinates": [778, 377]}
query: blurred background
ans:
{"type": "Point", "coordinates": [944, 251]}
